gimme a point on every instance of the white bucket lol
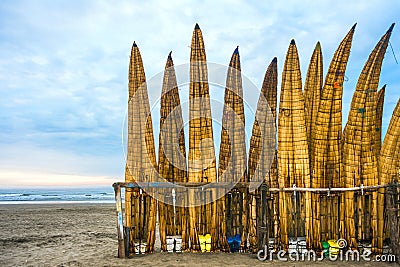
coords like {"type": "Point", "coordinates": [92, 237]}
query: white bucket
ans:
{"type": "Point", "coordinates": [292, 246]}
{"type": "Point", "coordinates": [302, 247]}
{"type": "Point", "coordinates": [140, 249]}
{"type": "Point", "coordinates": [174, 243]}
{"type": "Point", "coordinates": [297, 245]}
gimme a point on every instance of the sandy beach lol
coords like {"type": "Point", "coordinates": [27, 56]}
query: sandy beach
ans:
{"type": "Point", "coordinates": [85, 235]}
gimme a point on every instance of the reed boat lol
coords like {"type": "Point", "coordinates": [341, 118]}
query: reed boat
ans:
{"type": "Point", "coordinates": [326, 135]}
{"type": "Point", "coordinates": [261, 163]}
{"type": "Point", "coordinates": [140, 208]}
{"type": "Point", "coordinates": [232, 207]}
{"type": "Point", "coordinates": [389, 168]}
{"type": "Point", "coordinates": [293, 156]}
{"type": "Point", "coordinates": [201, 158]}
{"type": "Point", "coordinates": [360, 164]}
{"type": "Point", "coordinates": [171, 161]}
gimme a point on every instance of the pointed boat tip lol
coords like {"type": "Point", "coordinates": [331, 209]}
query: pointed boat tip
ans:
{"type": "Point", "coordinates": [383, 87]}
{"type": "Point", "coordinates": [318, 46]}
{"type": "Point", "coordinates": [292, 42]}
{"type": "Point", "coordinates": [354, 26]}
{"type": "Point", "coordinates": [391, 28]}
{"type": "Point", "coordinates": [197, 27]}
{"type": "Point", "coordinates": [169, 55]}
{"type": "Point", "coordinates": [134, 44]}
{"type": "Point", "coordinates": [236, 50]}
{"type": "Point", "coordinates": [274, 60]}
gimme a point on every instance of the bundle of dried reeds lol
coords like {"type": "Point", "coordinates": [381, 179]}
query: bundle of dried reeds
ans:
{"type": "Point", "coordinates": [293, 157]}
{"type": "Point", "coordinates": [141, 159]}
{"type": "Point", "coordinates": [312, 95]}
{"type": "Point", "coordinates": [326, 138]}
{"type": "Point", "coordinates": [388, 168]}
{"type": "Point", "coordinates": [171, 158]}
{"type": "Point", "coordinates": [359, 160]}
{"type": "Point", "coordinates": [378, 124]}
{"type": "Point", "coordinates": [232, 155]}
{"type": "Point", "coordinates": [202, 162]}
{"type": "Point", "coordinates": [261, 142]}
{"type": "Point", "coordinates": [269, 90]}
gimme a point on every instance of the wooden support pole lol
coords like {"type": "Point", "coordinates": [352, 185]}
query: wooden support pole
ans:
{"type": "Point", "coordinates": [120, 225]}
{"type": "Point", "coordinates": [392, 199]}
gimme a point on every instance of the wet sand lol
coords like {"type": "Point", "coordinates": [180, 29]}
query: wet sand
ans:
{"type": "Point", "coordinates": [86, 235]}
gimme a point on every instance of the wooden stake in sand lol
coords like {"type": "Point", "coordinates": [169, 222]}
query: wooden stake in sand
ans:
{"type": "Point", "coordinates": [141, 160]}
{"type": "Point", "coordinates": [171, 158]}
{"type": "Point", "coordinates": [232, 157]}
{"type": "Point", "coordinates": [359, 160]}
{"type": "Point", "coordinates": [261, 143]}
{"type": "Point", "coordinates": [202, 162]}
{"type": "Point", "coordinates": [293, 157]}
{"type": "Point", "coordinates": [388, 168]}
{"type": "Point", "coordinates": [326, 148]}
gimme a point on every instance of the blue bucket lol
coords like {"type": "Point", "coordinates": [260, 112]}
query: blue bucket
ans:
{"type": "Point", "coordinates": [234, 242]}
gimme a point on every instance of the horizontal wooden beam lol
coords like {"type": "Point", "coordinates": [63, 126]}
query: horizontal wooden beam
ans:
{"type": "Point", "coordinates": [245, 185]}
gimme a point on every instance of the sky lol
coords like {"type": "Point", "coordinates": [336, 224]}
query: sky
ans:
{"type": "Point", "coordinates": [64, 69]}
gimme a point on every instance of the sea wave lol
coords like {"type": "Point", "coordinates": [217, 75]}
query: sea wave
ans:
{"type": "Point", "coordinates": [42, 195]}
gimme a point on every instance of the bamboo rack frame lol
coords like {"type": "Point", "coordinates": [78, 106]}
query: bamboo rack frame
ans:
{"type": "Point", "coordinates": [340, 177]}
{"type": "Point", "coordinates": [122, 244]}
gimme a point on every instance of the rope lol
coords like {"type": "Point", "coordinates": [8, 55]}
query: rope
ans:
{"type": "Point", "coordinates": [394, 55]}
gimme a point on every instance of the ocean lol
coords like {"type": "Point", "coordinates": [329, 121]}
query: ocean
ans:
{"type": "Point", "coordinates": [103, 194]}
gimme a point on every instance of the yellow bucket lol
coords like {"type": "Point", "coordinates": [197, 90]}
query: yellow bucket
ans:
{"type": "Point", "coordinates": [205, 242]}
{"type": "Point", "coordinates": [334, 247]}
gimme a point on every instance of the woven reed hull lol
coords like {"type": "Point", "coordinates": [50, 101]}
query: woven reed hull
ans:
{"type": "Point", "coordinates": [360, 161]}
{"type": "Point", "coordinates": [327, 130]}
{"type": "Point", "coordinates": [202, 162]}
{"type": "Point", "coordinates": [389, 156]}
{"type": "Point", "coordinates": [378, 124]}
{"type": "Point", "coordinates": [269, 87]}
{"type": "Point", "coordinates": [326, 142]}
{"type": "Point", "coordinates": [141, 159]}
{"type": "Point", "coordinates": [269, 90]}
{"type": "Point", "coordinates": [380, 195]}
{"type": "Point", "coordinates": [232, 157]}
{"type": "Point", "coordinates": [262, 138]}
{"type": "Point", "coordinates": [312, 93]}
{"type": "Point", "coordinates": [172, 161]}
{"type": "Point", "coordinates": [293, 156]}
{"type": "Point", "coordinates": [388, 168]}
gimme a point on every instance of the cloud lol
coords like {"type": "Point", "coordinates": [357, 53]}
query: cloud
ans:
{"type": "Point", "coordinates": [64, 64]}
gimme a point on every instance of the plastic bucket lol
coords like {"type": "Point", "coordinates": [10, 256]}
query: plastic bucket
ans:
{"type": "Point", "coordinates": [205, 242]}
{"type": "Point", "coordinates": [174, 243]}
{"type": "Point", "coordinates": [234, 242]}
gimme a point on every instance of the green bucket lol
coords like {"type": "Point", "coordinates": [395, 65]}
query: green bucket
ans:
{"type": "Point", "coordinates": [325, 246]}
